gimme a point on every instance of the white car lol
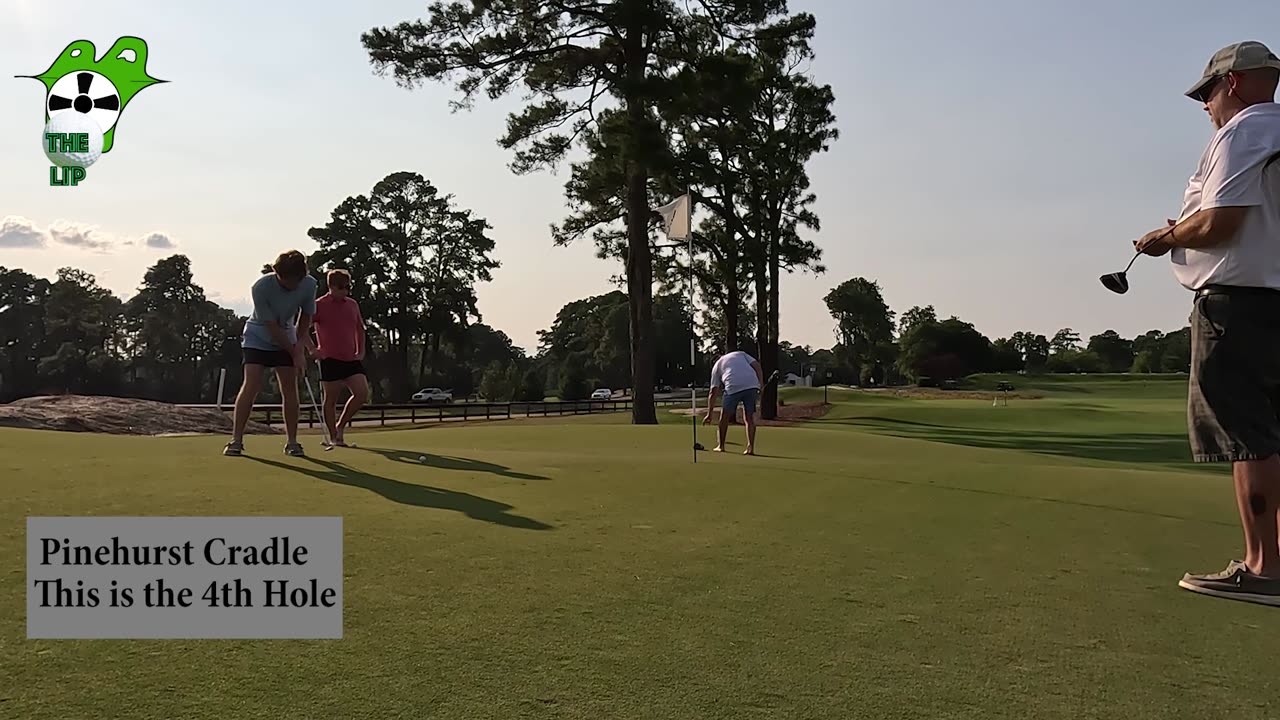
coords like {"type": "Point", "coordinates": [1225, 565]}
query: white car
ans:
{"type": "Point", "coordinates": [429, 395]}
{"type": "Point", "coordinates": [602, 394]}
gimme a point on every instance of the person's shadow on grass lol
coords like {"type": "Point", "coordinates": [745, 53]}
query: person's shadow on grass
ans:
{"type": "Point", "coordinates": [443, 462]}
{"type": "Point", "coordinates": [473, 506]}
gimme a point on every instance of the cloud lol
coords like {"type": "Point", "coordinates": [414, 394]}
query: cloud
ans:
{"type": "Point", "coordinates": [19, 232]}
{"type": "Point", "coordinates": [81, 236]}
{"type": "Point", "coordinates": [158, 240]}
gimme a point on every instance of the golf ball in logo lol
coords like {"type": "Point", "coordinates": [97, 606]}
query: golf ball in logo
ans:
{"type": "Point", "coordinates": [73, 123]}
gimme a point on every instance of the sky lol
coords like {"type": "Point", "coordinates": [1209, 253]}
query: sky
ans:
{"type": "Point", "coordinates": [995, 156]}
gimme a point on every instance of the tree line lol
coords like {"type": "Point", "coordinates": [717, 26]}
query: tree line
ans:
{"type": "Point", "coordinates": [877, 348]}
{"type": "Point", "coordinates": [169, 342]}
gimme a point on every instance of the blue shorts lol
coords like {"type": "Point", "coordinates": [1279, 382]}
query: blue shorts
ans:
{"type": "Point", "coordinates": [747, 398]}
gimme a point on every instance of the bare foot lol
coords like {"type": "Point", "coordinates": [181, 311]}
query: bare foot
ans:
{"type": "Point", "coordinates": [717, 449]}
{"type": "Point", "coordinates": [749, 451]}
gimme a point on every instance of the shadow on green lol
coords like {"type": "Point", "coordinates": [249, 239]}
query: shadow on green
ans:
{"type": "Point", "coordinates": [443, 462]}
{"type": "Point", "coordinates": [473, 506]}
{"type": "Point", "coordinates": [1165, 449]}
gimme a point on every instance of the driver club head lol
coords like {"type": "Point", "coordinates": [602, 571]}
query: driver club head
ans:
{"type": "Point", "coordinates": [1116, 282]}
{"type": "Point", "coordinates": [698, 446]}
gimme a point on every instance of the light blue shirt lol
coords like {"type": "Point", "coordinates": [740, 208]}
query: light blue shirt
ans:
{"type": "Point", "coordinates": [272, 302]}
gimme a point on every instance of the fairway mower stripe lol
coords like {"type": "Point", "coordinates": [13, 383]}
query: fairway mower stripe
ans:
{"type": "Point", "coordinates": [1033, 498]}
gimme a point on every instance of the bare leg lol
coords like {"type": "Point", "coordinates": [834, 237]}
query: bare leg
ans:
{"type": "Point", "coordinates": [288, 379]}
{"type": "Point", "coordinates": [1258, 497]}
{"type": "Point", "coordinates": [722, 430]}
{"type": "Point", "coordinates": [751, 433]}
{"type": "Point", "coordinates": [330, 407]}
{"type": "Point", "coordinates": [359, 387]}
{"type": "Point", "coordinates": [248, 395]}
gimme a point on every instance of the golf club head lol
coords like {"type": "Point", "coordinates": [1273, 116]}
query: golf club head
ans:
{"type": "Point", "coordinates": [1116, 282]}
{"type": "Point", "coordinates": [698, 446]}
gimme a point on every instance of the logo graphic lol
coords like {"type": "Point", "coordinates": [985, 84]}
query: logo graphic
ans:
{"type": "Point", "coordinates": [83, 102]}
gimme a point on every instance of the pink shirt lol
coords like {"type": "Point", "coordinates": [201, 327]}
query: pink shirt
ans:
{"type": "Point", "coordinates": [338, 327]}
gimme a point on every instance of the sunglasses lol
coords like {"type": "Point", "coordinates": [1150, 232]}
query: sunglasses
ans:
{"type": "Point", "coordinates": [1207, 92]}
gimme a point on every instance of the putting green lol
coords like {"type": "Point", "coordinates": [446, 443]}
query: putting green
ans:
{"type": "Point", "coordinates": [898, 559]}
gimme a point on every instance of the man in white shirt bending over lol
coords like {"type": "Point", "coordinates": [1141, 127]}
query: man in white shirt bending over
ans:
{"type": "Point", "coordinates": [1225, 248]}
{"type": "Point", "coordinates": [740, 377]}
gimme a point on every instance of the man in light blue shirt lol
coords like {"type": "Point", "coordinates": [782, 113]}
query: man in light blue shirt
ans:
{"type": "Point", "coordinates": [277, 335]}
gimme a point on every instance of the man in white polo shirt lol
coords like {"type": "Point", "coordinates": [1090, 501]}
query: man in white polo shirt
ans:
{"type": "Point", "coordinates": [740, 377]}
{"type": "Point", "coordinates": [1225, 247]}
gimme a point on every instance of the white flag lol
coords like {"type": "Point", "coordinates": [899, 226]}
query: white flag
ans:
{"type": "Point", "coordinates": [675, 217]}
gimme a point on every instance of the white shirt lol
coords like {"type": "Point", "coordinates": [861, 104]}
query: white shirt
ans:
{"type": "Point", "coordinates": [734, 372]}
{"type": "Point", "coordinates": [1231, 175]}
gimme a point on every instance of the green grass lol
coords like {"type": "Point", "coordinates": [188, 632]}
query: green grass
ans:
{"type": "Point", "coordinates": [899, 559]}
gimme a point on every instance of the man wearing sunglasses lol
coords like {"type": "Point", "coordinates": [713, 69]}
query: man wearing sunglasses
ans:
{"type": "Point", "coordinates": [1225, 247]}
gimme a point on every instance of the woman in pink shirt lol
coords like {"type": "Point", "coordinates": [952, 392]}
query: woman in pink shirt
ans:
{"type": "Point", "coordinates": [340, 348]}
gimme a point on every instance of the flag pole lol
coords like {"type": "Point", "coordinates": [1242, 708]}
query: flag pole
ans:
{"type": "Point", "coordinates": [693, 333]}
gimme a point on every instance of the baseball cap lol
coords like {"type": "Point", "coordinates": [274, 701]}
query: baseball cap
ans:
{"type": "Point", "coordinates": [1248, 55]}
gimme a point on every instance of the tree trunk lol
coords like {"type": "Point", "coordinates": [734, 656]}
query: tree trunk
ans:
{"type": "Point", "coordinates": [639, 260]}
{"type": "Point", "coordinates": [401, 374]}
{"type": "Point", "coordinates": [768, 396]}
{"type": "Point", "coordinates": [769, 355]}
{"type": "Point", "coordinates": [435, 353]}
{"type": "Point", "coordinates": [732, 302]}
{"type": "Point", "coordinates": [197, 381]}
{"type": "Point", "coordinates": [422, 364]}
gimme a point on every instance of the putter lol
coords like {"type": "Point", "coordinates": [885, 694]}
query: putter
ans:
{"type": "Point", "coordinates": [1118, 283]}
{"type": "Point", "coordinates": [324, 429]}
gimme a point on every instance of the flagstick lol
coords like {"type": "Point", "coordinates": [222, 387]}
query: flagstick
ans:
{"type": "Point", "coordinates": [668, 213]}
{"type": "Point", "coordinates": [693, 332]}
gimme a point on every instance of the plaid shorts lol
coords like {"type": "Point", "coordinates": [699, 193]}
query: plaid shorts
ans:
{"type": "Point", "coordinates": [1233, 402]}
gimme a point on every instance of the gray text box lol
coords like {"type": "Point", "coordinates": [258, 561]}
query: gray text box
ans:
{"type": "Point", "coordinates": [229, 597]}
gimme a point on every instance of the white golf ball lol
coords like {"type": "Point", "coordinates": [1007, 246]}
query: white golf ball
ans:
{"type": "Point", "coordinates": [73, 123]}
{"type": "Point", "coordinates": [422, 458]}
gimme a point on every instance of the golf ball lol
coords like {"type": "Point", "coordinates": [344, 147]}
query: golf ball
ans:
{"type": "Point", "coordinates": [73, 123]}
{"type": "Point", "coordinates": [422, 458]}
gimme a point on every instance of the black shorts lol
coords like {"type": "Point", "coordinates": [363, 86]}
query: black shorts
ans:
{"type": "Point", "coordinates": [1233, 402]}
{"type": "Point", "coordinates": [268, 358]}
{"type": "Point", "coordinates": [338, 370]}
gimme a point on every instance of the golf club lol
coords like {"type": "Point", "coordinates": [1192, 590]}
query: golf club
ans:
{"type": "Point", "coordinates": [1119, 282]}
{"type": "Point", "coordinates": [324, 429]}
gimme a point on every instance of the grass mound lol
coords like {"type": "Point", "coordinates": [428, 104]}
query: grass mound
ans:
{"type": "Point", "coordinates": [117, 416]}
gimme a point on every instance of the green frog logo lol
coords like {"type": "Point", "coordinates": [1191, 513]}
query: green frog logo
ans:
{"type": "Point", "coordinates": [80, 88]}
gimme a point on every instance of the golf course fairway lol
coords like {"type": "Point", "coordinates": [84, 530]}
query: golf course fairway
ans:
{"type": "Point", "coordinates": [898, 558]}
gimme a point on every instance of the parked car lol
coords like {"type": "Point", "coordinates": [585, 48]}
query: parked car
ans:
{"type": "Point", "coordinates": [430, 395]}
{"type": "Point", "coordinates": [602, 394]}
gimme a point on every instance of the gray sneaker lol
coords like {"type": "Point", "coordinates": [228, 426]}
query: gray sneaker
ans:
{"type": "Point", "coordinates": [233, 449]}
{"type": "Point", "coordinates": [1235, 583]}
{"type": "Point", "coordinates": [294, 450]}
